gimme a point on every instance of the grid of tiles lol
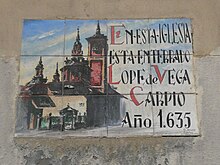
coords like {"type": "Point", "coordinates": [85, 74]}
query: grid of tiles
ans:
{"type": "Point", "coordinates": [107, 78]}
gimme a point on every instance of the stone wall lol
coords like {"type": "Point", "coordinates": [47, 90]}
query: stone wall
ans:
{"type": "Point", "coordinates": [202, 150]}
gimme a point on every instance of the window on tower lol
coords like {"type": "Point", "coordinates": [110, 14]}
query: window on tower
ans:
{"type": "Point", "coordinates": [96, 50]}
{"type": "Point", "coordinates": [96, 74]}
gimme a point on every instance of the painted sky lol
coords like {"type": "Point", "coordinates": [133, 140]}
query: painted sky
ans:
{"type": "Point", "coordinates": [54, 39]}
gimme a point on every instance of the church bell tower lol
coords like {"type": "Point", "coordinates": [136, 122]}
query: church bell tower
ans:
{"type": "Point", "coordinates": [77, 47]}
{"type": "Point", "coordinates": [97, 57]}
{"type": "Point", "coordinates": [39, 77]}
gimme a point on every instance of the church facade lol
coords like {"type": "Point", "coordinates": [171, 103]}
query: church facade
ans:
{"type": "Point", "coordinates": [78, 96]}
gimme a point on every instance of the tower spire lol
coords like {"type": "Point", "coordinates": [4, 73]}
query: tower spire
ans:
{"type": "Point", "coordinates": [40, 61]}
{"type": "Point", "coordinates": [98, 28]}
{"type": "Point", "coordinates": [39, 76]}
{"type": "Point", "coordinates": [77, 47]}
{"type": "Point", "coordinates": [57, 68]}
{"type": "Point", "coordinates": [56, 76]}
{"type": "Point", "coordinates": [39, 68]}
{"type": "Point", "coordinates": [77, 36]}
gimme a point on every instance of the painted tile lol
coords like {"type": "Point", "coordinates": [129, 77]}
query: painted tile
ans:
{"type": "Point", "coordinates": [132, 118]}
{"type": "Point", "coordinates": [129, 74]}
{"type": "Point", "coordinates": [88, 48]}
{"type": "Point", "coordinates": [172, 73]}
{"type": "Point", "coordinates": [128, 37]}
{"type": "Point", "coordinates": [84, 75]}
{"type": "Point", "coordinates": [176, 116]}
{"type": "Point", "coordinates": [33, 113]}
{"type": "Point", "coordinates": [84, 115]}
{"type": "Point", "coordinates": [107, 78]}
{"type": "Point", "coordinates": [40, 75]}
{"type": "Point", "coordinates": [81, 40]}
{"type": "Point", "coordinates": [43, 37]}
{"type": "Point", "coordinates": [61, 115]}
{"type": "Point", "coordinates": [57, 103]}
{"type": "Point", "coordinates": [171, 36]}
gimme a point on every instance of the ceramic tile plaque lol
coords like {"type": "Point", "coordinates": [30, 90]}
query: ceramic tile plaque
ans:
{"type": "Point", "coordinates": [107, 78]}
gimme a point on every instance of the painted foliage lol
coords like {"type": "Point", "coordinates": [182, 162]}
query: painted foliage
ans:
{"type": "Point", "coordinates": [107, 78]}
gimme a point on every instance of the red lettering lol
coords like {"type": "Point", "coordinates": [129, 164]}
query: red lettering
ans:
{"type": "Point", "coordinates": [158, 73]}
{"type": "Point", "coordinates": [110, 76]}
{"type": "Point", "coordinates": [117, 34]}
{"type": "Point", "coordinates": [133, 98]}
{"type": "Point", "coordinates": [112, 35]}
